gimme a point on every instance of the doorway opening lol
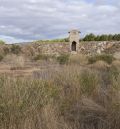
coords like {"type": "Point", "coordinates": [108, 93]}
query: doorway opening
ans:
{"type": "Point", "coordinates": [73, 47]}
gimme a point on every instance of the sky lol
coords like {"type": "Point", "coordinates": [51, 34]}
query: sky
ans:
{"type": "Point", "coordinates": [28, 20]}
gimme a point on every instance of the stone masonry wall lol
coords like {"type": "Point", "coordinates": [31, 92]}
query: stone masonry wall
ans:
{"type": "Point", "coordinates": [84, 47]}
{"type": "Point", "coordinates": [98, 47]}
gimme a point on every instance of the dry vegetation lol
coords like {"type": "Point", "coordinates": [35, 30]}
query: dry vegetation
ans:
{"type": "Point", "coordinates": [65, 92]}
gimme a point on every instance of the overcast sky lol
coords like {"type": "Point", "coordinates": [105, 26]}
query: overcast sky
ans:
{"type": "Point", "coordinates": [25, 20]}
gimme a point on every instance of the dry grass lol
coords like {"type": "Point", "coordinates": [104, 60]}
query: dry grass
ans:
{"type": "Point", "coordinates": [116, 63]}
{"type": "Point", "coordinates": [100, 65]}
{"type": "Point", "coordinates": [117, 55]}
{"type": "Point", "coordinates": [15, 61]}
{"type": "Point", "coordinates": [68, 97]}
{"type": "Point", "coordinates": [74, 95]}
{"type": "Point", "coordinates": [78, 59]}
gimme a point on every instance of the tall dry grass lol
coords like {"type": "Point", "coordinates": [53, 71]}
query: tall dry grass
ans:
{"type": "Point", "coordinates": [73, 98]}
{"type": "Point", "coordinates": [79, 59]}
{"type": "Point", "coordinates": [15, 61]}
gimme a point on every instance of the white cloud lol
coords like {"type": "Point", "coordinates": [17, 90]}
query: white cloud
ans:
{"type": "Point", "coordinates": [44, 19]}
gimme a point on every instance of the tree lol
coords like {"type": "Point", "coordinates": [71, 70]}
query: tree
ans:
{"type": "Point", "coordinates": [118, 37]}
{"type": "Point", "coordinates": [103, 37]}
{"type": "Point", "coordinates": [110, 37]}
{"type": "Point", "coordinates": [115, 37]}
{"type": "Point", "coordinates": [89, 37]}
{"type": "Point", "coordinates": [97, 38]}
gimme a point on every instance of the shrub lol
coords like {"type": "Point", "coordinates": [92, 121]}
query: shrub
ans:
{"type": "Point", "coordinates": [41, 57]}
{"type": "Point", "coordinates": [78, 59]}
{"type": "Point", "coordinates": [114, 71]}
{"type": "Point", "coordinates": [100, 65]}
{"type": "Point", "coordinates": [2, 42]}
{"type": "Point", "coordinates": [1, 57]}
{"type": "Point", "coordinates": [6, 50]}
{"type": "Point", "coordinates": [15, 49]}
{"type": "Point", "coordinates": [104, 57]}
{"type": "Point", "coordinates": [88, 82]}
{"type": "Point", "coordinates": [63, 58]}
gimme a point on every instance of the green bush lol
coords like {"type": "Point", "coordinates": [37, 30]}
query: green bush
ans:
{"type": "Point", "coordinates": [15, 49]}
{"type": "Point", "coordinates": [104, 57]}
{"type": "Point", "coordinates": [63, 59]}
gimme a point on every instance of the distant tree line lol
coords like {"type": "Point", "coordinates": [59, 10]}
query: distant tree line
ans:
{"type": "Point", "coordinates": [90, 37]}
{"type": "Point", "coordinates": [103, 37]}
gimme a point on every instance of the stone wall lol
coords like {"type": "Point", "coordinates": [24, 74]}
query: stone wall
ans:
{"type": "Point", "coordinates": [64, 48]}
{"type": "Point", "coordinates": [99, 47]}
{"type": "Point", "coordinates": [46, 48]}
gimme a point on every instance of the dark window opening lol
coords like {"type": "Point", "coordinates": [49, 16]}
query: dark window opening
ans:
{"type": "Point", "coordinates": [73, 47]}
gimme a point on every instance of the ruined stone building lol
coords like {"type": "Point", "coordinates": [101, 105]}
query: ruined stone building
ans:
{"type": "Point", "coordinates": [74, 40]}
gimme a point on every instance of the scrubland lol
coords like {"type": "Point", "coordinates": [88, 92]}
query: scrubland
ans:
{"type": "Point", "coordinates": [64, 92]}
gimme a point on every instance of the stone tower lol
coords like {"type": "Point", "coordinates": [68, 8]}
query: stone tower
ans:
{"type": "Point", "coordinates": [74, 37]}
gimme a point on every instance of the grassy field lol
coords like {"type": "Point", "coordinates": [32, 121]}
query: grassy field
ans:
{"type": "Point", "coordinates": [65, 92]}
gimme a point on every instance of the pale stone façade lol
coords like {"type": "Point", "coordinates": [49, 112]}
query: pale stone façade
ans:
{"type": "Point", "coordinates": [74, 38]}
